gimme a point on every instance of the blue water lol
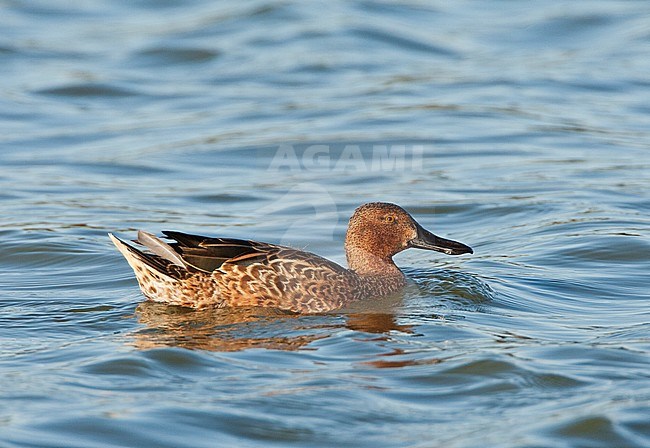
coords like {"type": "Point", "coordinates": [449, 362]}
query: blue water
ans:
{"type": "Point", "coordinates": [519, 128]}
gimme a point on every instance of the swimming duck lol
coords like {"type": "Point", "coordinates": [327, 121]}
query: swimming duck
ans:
{"type": "Point", "coordinates": [199, 271]}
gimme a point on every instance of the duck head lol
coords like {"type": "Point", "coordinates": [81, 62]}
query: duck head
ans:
{"type": "Point", "coordinates": [379, 230]}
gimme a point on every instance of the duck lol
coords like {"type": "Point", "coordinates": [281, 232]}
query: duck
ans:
{"type": "Point", "coordinates": [200, 271]}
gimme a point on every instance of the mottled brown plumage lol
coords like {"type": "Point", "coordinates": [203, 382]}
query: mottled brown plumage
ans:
{"type": "Point", "coordinates": [199, 271]}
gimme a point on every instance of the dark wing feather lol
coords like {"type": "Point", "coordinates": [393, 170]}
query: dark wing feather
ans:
{"type": "Point", "coordinates": [208, 254]}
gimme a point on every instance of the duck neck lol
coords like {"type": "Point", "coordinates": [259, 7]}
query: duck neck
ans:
{"type": "Point", "coordinates": [366, 263]}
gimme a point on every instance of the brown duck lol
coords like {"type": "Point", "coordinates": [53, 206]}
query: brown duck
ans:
{"type": "Point", "coordinates": [199, 271]}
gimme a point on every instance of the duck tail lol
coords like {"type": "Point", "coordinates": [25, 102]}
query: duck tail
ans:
{"type": "Point", "coordinates": [142, 262]}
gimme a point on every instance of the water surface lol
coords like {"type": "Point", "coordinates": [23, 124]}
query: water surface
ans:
{"type": "Point", "coordinates": [518, 128]}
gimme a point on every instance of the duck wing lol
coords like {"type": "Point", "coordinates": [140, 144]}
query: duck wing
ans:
{"type": "Point", "coordinates": [209, 254]}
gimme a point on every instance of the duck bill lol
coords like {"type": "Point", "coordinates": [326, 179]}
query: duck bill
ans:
{"type": "Point", "coordinates": [429, 241]}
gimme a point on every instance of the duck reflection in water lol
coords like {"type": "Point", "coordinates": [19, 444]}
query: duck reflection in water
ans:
{"type": "Point", "coordinates": [226, 329]}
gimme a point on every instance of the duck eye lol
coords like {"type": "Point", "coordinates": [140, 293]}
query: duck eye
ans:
{"type": "Point", "coordinates": [389, 219]}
